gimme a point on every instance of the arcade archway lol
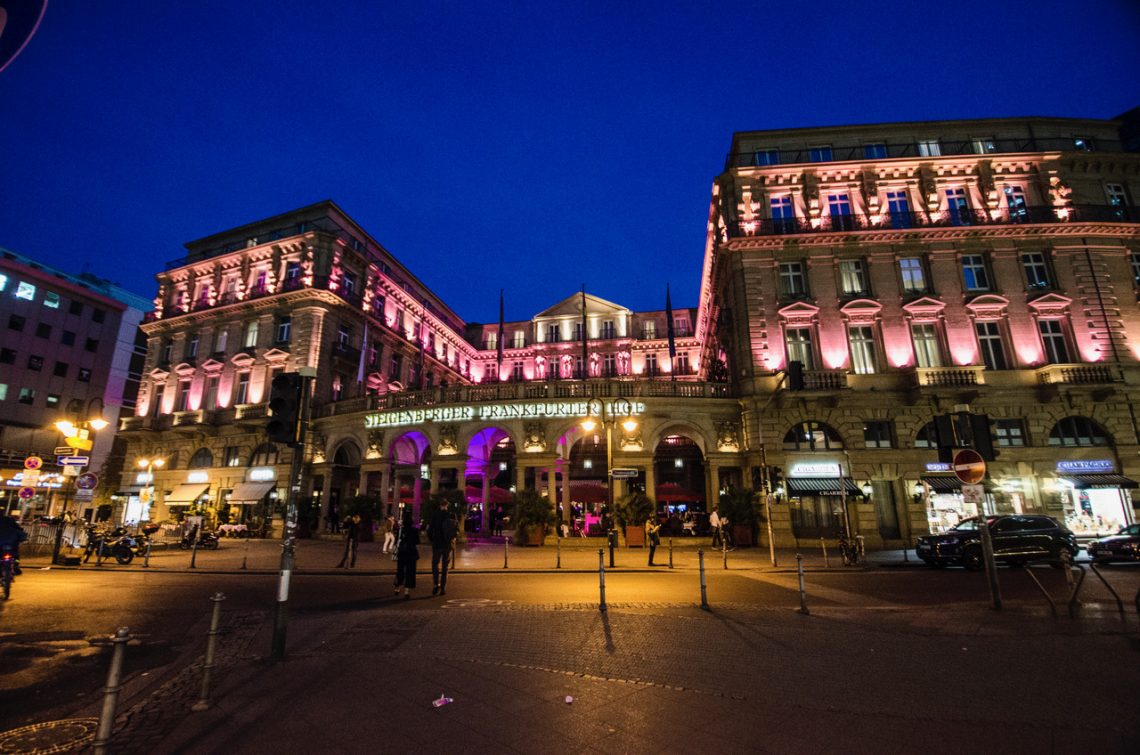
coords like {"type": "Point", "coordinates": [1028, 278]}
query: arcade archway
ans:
{"type": "Point", "coordinates": [489, 479]}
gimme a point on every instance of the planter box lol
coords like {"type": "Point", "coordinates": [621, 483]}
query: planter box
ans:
{"type": "Point", "coordinates": [635, 537]}
{"type": "Point", "coordinates": [532, 535]}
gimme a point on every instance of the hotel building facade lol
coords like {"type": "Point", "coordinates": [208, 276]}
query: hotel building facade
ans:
{"type": "Point", "coordinates": [909, 269]}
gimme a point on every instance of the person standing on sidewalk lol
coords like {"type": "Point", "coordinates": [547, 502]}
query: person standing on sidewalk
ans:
{"type": "Point", "coordinates": [407, 554]}
{"type": "Point", "coordinates": [441, 532]}
{"type": "Point", "coordinates": [714, 524]}
{"type": "Point", "coordinates": [351, 541]}
{"type": "Point", "coordinates": [388, 530]}
{"type": "Point", "coordinates": [652, 537]}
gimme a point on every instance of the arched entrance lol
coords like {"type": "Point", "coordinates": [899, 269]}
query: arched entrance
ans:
{"type": "Point", "coordinates": [344, 478]}
{"type": "Point", "coordinates": [409, 456]}
{"type": "Point", "coordinates": [589, 483]}
{"type": "Point", "coordinates": [489, 479]}
{"type": "Point", "coordinates": [679, 474]}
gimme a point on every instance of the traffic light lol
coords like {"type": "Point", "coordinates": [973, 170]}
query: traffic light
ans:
{"type": "Point", "coordinates": [796, 375]}
{"type": "Point", "coordinates": [964, 430]}
{"type": "Point", "coordinates": [775, 479]}
{"type": "Point", "coordinates": [285, 408]}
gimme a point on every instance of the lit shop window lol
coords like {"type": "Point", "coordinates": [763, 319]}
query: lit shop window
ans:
{"type": "Point", "coordinates": [25, 290]}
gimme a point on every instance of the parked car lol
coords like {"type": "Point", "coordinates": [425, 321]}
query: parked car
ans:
{"type": "Point", "coordinates": [1017, 539]}
{"type": "Point", "coordinates": [1123, 546]}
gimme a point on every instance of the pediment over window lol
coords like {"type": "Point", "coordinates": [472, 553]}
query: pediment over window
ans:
{"type": "Point", "coordinates": [185, 368]}
{"type": "Point", "coordinates": [275, 356]}
{"type": "Point", "coordinates": [926, 308]}
{"type": "Point", "coordinates": [212, 365]}
{"type": "Point", "coordinates": [861, 311]}
{"type": "Point", "coordinates": [159, 375]}
{"type": "Point", "coordinates": [1050, 304]}
{"type": "Point", "coordinates": [800, 313]}
{"type": "Point", "coordinates": [242, 359]}
{"type": "Point", "coordinates": [988, 305]}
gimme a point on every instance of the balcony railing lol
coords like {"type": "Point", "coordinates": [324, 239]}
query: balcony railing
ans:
{"type": "Point", "coordinates": [888, 151]}
{"type": "Point", "coordinates": [825, 380]}
{"type": "Point", "coordinates": [949, 376]}
{"type": "Point", "coordinates": [1079, 374]}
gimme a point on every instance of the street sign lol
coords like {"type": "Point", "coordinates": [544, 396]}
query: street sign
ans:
{"type": "Point", "coordinates": [975, 494]}
{"type": "Point", "coordinates": [26, 492]}
{"type": "Point", "coordinates": [30, 477]}
{"type": "Point", "coordinates": [969, 466]}
{"type": "Point", "coordinates": [81, 444]}
{"type": "Point", "coordinates": [64, 450]}
{"type": "Point", "coordinates": [33, 462]}
{"type": "Point", "coordinates": [72, 471]}
{"type": "Point", "coordinates": [87, 481]}
{"type": "Point", "coordinates": [73, 461]}
{"type": "Point", "coordinates": [623, 473]}
{"type": "Point", "coordinates": [84, 495]}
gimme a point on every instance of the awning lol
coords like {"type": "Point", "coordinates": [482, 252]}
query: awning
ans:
{"type": "Point", "coordinates": [944, 484]}
{"type": "Point", "coordinates": [250, 492]}
{"type": "Point", "coordinates": [822, 486]}
{"type": "Point", "coordinates": [186, 494]}
{"type": "Point", "coordinates": [1084, 481]}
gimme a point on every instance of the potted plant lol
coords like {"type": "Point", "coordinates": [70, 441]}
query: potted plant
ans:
{"type": "Point", "coordinates": [742, 507]}
{"type": "Point", "coordinates": [633, 511]}
{"type": "Point", "coordinates": [531, 515]}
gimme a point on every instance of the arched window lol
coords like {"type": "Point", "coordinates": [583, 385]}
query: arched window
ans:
{"type": "Point", "coordinates": [264, 455]}
{"type": "Point", "coordinates": [201, 459]}
{"type": "Point", "coordinates": [926, 437]}
{"type": "Point", "coordinates": [812, 436]}
{"type": "Point", "coordinates": [1078, 431]}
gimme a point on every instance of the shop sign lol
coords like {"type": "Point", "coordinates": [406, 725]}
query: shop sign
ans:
{"type": "Point", "coordinates": [196, 477]}
{"type": "Point", "coordinates": [815, 469]}
{"type": "Point", "coordinates": [262, 474]}
{"type": "Point", "coordinates": [939, 466]}
{"type": "Point", "coordinates": [485, 412]}
{"type": "Point", "coordinates": [1087, 466]}
{"type": "Point", "coordinates": [974, 494]}
{"type": "Point", "coordinates": [144, 478]}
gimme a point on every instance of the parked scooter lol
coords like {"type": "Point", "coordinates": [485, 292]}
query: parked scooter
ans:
{"type": "Point", "coordinates": [118, 544]}
{"type": "Point", "coordinates": [206, 540]}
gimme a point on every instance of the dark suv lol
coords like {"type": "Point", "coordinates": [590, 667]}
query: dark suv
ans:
{"type": "Point", "coordinates": [1017, 539]}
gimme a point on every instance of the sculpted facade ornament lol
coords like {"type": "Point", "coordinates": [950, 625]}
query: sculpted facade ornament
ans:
{"type": "Point", "coordinates": [535, 437]}
{"type": "Point", "coordinates": [728, 435]}
{"type": "Point", "coordinates": [375, 444]}
{"type": "Point", "coordinates": [631, 439]}
{"type": "Point", "coordinates": [448, 446]}
{"type": "Point", "coordinates": [320, 443]}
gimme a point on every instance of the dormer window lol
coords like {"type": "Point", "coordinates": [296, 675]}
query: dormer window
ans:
{"type": "Point", "coordinates": [875, 151]}
{"type": "Point", "coordinates": [821, 154]}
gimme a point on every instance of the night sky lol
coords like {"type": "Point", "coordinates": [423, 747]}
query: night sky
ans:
{"type": "Point", "coordinates": [530, 146]}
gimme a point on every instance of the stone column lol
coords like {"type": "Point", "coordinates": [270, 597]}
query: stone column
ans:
{"type": "Point", "coordinates": [712, 485]}
{"type": "Point", "coordinates": [650, 480]}
{"type": "Point", "coordinates": [486, 497]}
{"type": "Point", "coordinates": [565, 496]}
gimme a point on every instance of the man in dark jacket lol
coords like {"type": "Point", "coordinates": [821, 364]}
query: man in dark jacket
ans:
{"type": "Point", "coordinates": [441, 531]}
{"type": "Point", "coordinates": [11, 535]}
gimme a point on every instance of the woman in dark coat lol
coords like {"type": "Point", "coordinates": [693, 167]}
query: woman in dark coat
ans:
{"type": "Point", "coordinates": [406, 556]}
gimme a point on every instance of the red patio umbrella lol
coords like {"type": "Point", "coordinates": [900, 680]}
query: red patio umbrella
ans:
{"type": "Point", "coordinates": [671, 492]}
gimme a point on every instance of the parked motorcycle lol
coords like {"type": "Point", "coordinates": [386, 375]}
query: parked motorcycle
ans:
{"type": "Point", "coordinates": [206, 540]}
{"type": "Point", "coordinates": [118, 544]}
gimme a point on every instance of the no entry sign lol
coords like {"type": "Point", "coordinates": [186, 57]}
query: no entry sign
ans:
{"type": "Point", "coordinates": [969, 466]}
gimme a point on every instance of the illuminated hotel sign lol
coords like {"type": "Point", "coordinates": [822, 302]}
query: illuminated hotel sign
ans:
{"type": "Point", "coordinates": [1089, 466]}
{"type": "Point", "coordinates": [823, 469]}
{"type": "Point", "coordinates": [939, 466]}
{"type": "Point", "coordinates": [487, 412]}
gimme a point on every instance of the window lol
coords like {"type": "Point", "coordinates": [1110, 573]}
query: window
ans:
{"type": "Point", "coordinates": [378, 306]}
{"type": "Point", "coordinates": [812, 436]}
{"type": "Point", "coordinates": [84, 375]}
{"type": "Point", "coordinates": [929, 148]}
{"type": "Point", "coordinates": [609, 368]}
{"type": "Point", "coordinates": [231, 456]}
{"type": "Point", "coordinates": [1010, 432]}
{"type": "Point", "coordinates": [783, 215]}
{"type": "Point", "coordinates": [792, 281]}
{"type": "Point", "coordinates": [1054, 341]}
{"type": "Point", "coordinates": [874, 151]}
{"type": "Point", "coordinates": [43, 330]}
{"type": "Point", "coordinates": [1036, 270]}
{"type": "Point", "coordinates": [861, 339]}
{"type": "Point", "coordinates": [681, 327]}
{"type": "Point", "coordinates": [348, 283]}
{"type": "Point", "coordinates": [7, 356]}
{"type": "Point", "coordinates": [156, 407]}
{"type": "Point", "coordinates": [799, 347]}
{"type": "Point", "coordinates": [1135, 258]}
{"type": "Point", "coordinates": [250, 340]}
{"type": "Point", "coordinates": [650, 364]}
{"type": "Point", "coordinates": [578, 331]}
{"type": "Point", "coordinates": [762, 157]}
{"type": "Point", "coordinates": [35, 363]}
{"type": "Point", "coordinates": [75, 308]}
{"type": "Point", "coordinates": [1117, 198]}
{"type": "Point", "coordinates": [927, 347]}
{"type": "Point", "coordinates": [553, 334]}
{"type": "Point", "coordinates": [27, 291]}
{"type": "Point", "coordinates": [202, 459]}
{"type": "Point", "coordinates": [264, 455]}
{"type": "Point", "coordinates": [913, 275]}
{"type": "Point", "coordinates": [608, 331]}
{"type": "Point", "coordinates": [958, 206]}
{"type": "Point", "coordinates": [67, 338]}
{"type": "Point", "coordinates": [241, 394]}
{"type": "Point", "coordinates": [210, 400]}
{"type": "Point", "coordinates": [898, 206]}
{"type": "Point", "coordinates": [983, 145]}
{"type": "Point", "coordinates": [1083, 144]}
{"type": "Point", "coordinates": [396, 367]}
{"type": "Point", "coordinates": [681, 364]}
{"type": "Point", "coordinates": [223, 339]}
{"type": "Point", "coordinates": [555, 370]}
{"type": "Point", "coordinates": [517, 371]}
{"type": "Point", "coordinates": [51, 300]}
{"type": "Point", "coordinates": [98, 315]}
{"type": "Point", "coordinates": [60, 369]}
{"type": "Point", "coordinates": [852, 277]}
{"type": "Point", "coordinates": [974, 273]}
{"type": "Point", "coordinates": [821, 154]}
{"type": "Point", "coordinates": [3, 282]}
{"type": "Point", "coordinates": [877, 434]}
{"type": "Point", "coordinates": [192, 346]}
{"type": "Point", "coordinates": [91, 345]}
{"type": "Point", "coordinates": [16, 322]}
{"type": "Point", "coordinates": [839, 210]}
{"type": "Point", "coordinates": [990, 344]}
{"type": "Point", "coordinates": [649, 329]}
{"type": "Point", "coordinates": [183, 402]}
{"type": "Point", "coordinates": [3, 391]}
{"type": "Point", "coordinates": [293, 275]}
{"type": "Point", "coordinates": [1078, 431]}
{"type": "Point", "coordinates": [1015, 204]}
{"type": "Point", "coordinates": [27, 396]}
{"type": "Point", "coordinates": [284, 329]}
{"type": "Point", "coordinates": [926, 437]}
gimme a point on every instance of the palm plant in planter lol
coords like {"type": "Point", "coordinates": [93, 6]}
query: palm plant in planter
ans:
{"type": "Point", "coordinates": [531, 515]}
{"type": "Point", "coordinates": [742, 507]}
{"type": "Point", "coordinates": [633, 511]}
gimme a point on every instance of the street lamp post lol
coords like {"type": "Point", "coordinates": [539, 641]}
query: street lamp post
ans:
{"type": "Point", "coordinates": [78, 436]}
{"type": "Point", "coordinates": [607, 414]}
{"type": "Point", "coordinates": [149, 464]}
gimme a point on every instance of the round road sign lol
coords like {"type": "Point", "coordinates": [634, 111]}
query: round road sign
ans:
{"type": "Point", "coordinates": [969, 466]}
{"type": "Point", "coordinates": [26, 492]}
{"type": "Point", "coordinates": [33, 462]}
{"type": "Point", "coordinates": [87, 481]}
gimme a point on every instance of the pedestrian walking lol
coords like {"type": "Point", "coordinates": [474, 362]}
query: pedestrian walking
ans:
{"type": "Point", "coordinates": [441, 532]}
{"type": "Point", "coordinates": [351, 541]}
{"type": "Point", "coordinates": [726, 533]}
{"type": "Point", "coordinates": [714, 524]}
{"type": "Point", "coordinates": [652, 537]}
{"type": "Point", "coordinates": [388, 530]}
{"type": "Point", "coordinates": [407, 553]}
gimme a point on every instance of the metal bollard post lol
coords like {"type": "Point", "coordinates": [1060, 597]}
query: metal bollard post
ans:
{"type": "Point", "coordinates": [602, 579]}
{"type": "Point", "coordinates": [146, 556]}
{"type": "Point", "coordinates": [245, 554]}
{"type": "Point", "coordinates": [193, 553]}
{"type": "Point", "coordinates": [211, 640]}
{"type": "Point", "coordinates": [558, 556]}
{"type": "Point", "coordinates": [826, 560]}
{"type": "Point", "coordinates": [704, 590]}
{"type": "Point", "coordinates": [906, 551]}
{"type": "Point", "coordinates": [670, 553]}
{"type": "Point", "coordinates": [724, 553]}
{"type": "Point", "coordinates": [111, 696]}
{"type": "Point", "coordinates": [99, 552]}
{"type": "Point", "coordinates": [613, 541]}
{"type": "Point", "coordinates": [803, 596]}
{"type": "Point", "coordinates": [505, 541]}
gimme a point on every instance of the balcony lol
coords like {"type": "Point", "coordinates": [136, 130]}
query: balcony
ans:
{"type": "Point", "coordinates": [346, 352]}
{"type": "Point", "coordinates": [188, 420]}
{"type": "Point", "coordinates": [251, 412]}
{"type": "Point", "coordinates": [949, 377]}
{"type": "Point", "coordinates": [825, 380]}
{"type": "Point", "coordinates": [139, 424]}
{"type": "Point", "coordinates": [1077, 374]}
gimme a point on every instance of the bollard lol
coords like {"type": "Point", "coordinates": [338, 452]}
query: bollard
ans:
{"type": "Point", "coordinates": [906, 551]}
{"type": "Point", "coordinates": [724, 553]}
{"type": "Point", "coordinates": [602, 579]}
{"type": "Point", "coordinates": [803, 596]}
{"type": "Point", "coordinates": [245, 554]}
{"type": "Point", "coordinates": [194, 553]}
{"type": "Point", "coordinates": [558, 556]}
{"type": "Point", "coordinates": [826, 560]}
{"type": "Point", "coordinates": [111, 697]}
{"type": "Point", "coordinates": [505, 541]}
{"type": "Point", "coordinates": [613, 541]}
{"type": "Point", "coordinates": [146, 556]}
{"type": "Point", "coordinates": [99, 552]}
{"type": "Point", "coordinates": [211, 640]}
{"type": "Point", "coordinates": [670, 553]}
{"type": "Point", "coordinates": [704, 590]}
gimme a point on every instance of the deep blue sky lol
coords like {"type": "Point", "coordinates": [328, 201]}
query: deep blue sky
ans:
{"type": "Point", "coordinates": [532, 146]}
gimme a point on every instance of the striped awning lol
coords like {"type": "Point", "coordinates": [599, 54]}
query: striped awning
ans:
{"type": "Point", "coordinates": [821, 486]}
{"type": "Point", "coordinates": [1084, 481]}
{"type": "Point", "coordinates": [943, 483]}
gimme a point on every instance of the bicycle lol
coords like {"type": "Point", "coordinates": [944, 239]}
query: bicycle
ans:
{"type": "Point", "coordinates": [7, 571]}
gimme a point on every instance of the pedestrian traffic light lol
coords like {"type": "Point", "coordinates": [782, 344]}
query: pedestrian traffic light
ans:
{"type": "Point", "coordinates": [285, 408]}
{"type": "Point", "coordinates": [796, 375]}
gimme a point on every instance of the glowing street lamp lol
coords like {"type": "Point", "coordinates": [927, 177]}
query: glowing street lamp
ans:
{"type": "Point", "coordinates": [77, 435]}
